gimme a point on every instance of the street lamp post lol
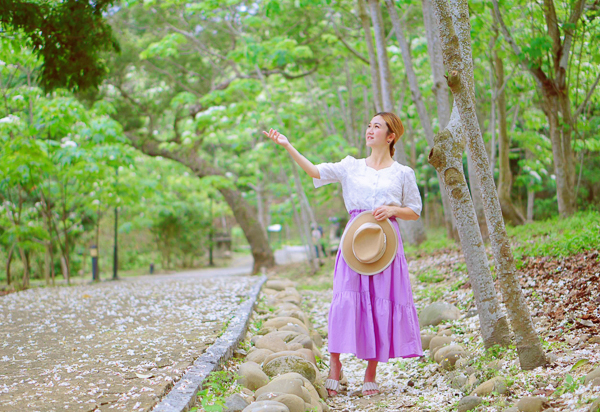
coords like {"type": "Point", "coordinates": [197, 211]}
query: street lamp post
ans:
{"type": "Point", "coordinates": [115, 252]}
{"type": "Point", "coordinates": [210, 236]}
{"type": "Point", "coordinates": [94, 255]}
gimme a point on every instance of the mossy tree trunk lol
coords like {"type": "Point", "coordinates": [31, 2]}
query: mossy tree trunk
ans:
{"type": "Point", "coordinates": [446, 156]}
{"type": "Point", "coordinates": [454, 28]}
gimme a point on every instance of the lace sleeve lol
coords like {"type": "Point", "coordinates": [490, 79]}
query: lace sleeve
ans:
{"type": "Point", "coordinates": [410, 192]}
{"type": "Point", "coordinates": [332, 172]}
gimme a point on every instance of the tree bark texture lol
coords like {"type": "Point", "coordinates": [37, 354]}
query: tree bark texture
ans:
{"type": "Point", "coordinates": [509, 211]}
{"type": "Point", "coordinates": [457, 59]}
{"type": "Point", "coordinates": [244, 213]}
{"type": "Point", "coordinates": [477, 199]}
{"type": "Point", "coordinates": [352, 112]}
{"type": "Point", "coordinates": [434, 49]}
{"type": "Point", "coordinates": [373, 66]}
{"type": "Point", "coordinates": [382, 57]}
{"type": "Point", "coordinates": [446, 156]}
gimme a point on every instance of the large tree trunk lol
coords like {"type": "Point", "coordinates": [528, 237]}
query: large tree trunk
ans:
{"type": "Point", "coordinates": [244, 213]}
{"type": "Point", "coordinates": [561, 152]}
{"type": "Point", "coordinates": [373, 66]}
{"type": "Point", "coordinates": [509, 211]}
{"type": "Point", "coordinates": [477, 200]}
{"type": "Point", "coordinates": [446, 157]}
{"type": "Point", "coordinates": [458, 62]}
{"type": "Point", "coordinates": [417, 98]}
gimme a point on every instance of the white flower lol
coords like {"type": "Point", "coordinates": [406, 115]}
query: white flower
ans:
{"type": "Point", "coordinates": [11, 118]}
{"type": "Point", "coordinates": [69, 143]}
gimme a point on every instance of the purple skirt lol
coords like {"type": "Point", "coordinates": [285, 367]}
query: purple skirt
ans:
{"type": "Point", "coordinates": [374, 317]}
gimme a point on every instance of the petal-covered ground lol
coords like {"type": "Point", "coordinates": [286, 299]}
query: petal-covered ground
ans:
{"type": "Point", "coordinates": [561, 294]}
{"type": "Point", "coordinates": [111, 346]}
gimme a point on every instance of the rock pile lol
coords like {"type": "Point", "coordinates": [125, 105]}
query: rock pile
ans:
{"type": "Point", "coordinates": [280, 372]}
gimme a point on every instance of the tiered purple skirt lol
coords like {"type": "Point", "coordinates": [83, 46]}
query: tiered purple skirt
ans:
{"type": "Point", "coordinates": [374, 317]}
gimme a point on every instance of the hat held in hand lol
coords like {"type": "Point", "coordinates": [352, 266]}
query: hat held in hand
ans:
{"type": "Point", "coordinates": [369, 246]}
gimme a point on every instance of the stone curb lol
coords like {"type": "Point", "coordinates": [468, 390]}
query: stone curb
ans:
{"type": "Point", "coordinates": [182, 397]}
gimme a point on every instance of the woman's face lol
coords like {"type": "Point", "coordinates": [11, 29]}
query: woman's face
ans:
{"type": "Point", "coordinates": [377, 133]}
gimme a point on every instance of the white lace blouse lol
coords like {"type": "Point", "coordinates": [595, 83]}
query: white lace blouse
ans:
{"type": "Point", "coordinates": [365, 188]}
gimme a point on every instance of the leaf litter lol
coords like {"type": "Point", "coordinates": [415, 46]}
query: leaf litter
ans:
{"type": "Point", "coordinates": [563, 297]}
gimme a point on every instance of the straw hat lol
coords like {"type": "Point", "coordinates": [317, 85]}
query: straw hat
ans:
{"type": "Point", "coordinates": [369, 246]}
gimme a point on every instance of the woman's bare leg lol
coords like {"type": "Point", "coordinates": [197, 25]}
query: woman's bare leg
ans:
{"type": "Point", "coordinates": [371, 375]}
{"type": "Point", "coordinates": [335, 369]}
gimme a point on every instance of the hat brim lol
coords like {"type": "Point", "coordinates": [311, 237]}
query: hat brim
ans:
{"type": "Point", "coordinates": [390, 250]}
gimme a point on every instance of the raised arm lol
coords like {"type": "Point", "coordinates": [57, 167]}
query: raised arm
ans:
{"type": "Point", "coordinates": [302, 161]}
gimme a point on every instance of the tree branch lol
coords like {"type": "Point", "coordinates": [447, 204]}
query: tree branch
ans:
{"type": "Point", "coordinates": [348, 46]}
{"type": "Point", "coordinates": [266, 73]}
{"type": "Point", "coordinates": [185, 156]}
{"type": "Point", "coordinates": [536, 70]}
{"type": "Point", "coordinates": [168, 74]}
{"type": "Point", "coordinates": [553, 31]}
{"type": "Point", "coordinates": [581, 108]}
{"type": "Point", "coordinates": [568, 40]}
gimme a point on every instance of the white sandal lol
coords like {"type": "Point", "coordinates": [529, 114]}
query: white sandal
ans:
{"type": "Point", "coordinates": [370, 386]}
{"type": "Point", "coordinates": [333, 385]}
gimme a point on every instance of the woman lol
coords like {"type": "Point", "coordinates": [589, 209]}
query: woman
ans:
{"type": "Point", "coordinates": [372, 317]}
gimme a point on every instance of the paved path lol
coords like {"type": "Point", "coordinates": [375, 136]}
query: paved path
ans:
{"type": "Point", "coordinates": [114, 345]}
{"type": "Point", "coordinates": [291, 254]}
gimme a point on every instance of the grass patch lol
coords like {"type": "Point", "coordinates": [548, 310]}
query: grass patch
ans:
{"type": "Point", "coordinates": [557, 237]}
{"type": "Point", "coordinates": [437, 240]}
{"type": "Point", "coordinates": [215, 389]}
{"type": "Point", "coordinates": [432, 293]}
{"type": "Point", "coordinates": [431, 276]}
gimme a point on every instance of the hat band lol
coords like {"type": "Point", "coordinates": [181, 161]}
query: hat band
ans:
{"type": "Point", "coordinates": [376, 257]}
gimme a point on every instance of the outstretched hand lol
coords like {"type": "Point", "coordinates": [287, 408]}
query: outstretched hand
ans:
{"type": "Point", "coordinates": [277, 137]}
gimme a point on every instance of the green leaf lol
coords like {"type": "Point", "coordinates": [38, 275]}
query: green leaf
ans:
{"type": "Point", "coordinates": [579, 364]}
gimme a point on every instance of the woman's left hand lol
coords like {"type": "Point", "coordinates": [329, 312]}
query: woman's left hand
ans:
{"type": "Point", "coordinates": [383, 212]}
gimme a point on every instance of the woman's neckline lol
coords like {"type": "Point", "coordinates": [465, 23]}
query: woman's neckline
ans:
{"type": "Point", "coordinates": [378, 170]}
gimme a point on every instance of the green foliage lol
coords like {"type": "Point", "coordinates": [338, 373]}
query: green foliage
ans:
{"type": "Point", "coordinates": [558, 236]}
{"type": "Point", "coordinates": [69, 36]}
{"type": "Point", "coordinates": [215, 388]}
{"type": "Point", "coordinates": [569, 384]}
{"type": "Point", "coordinates": [437, 240]}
